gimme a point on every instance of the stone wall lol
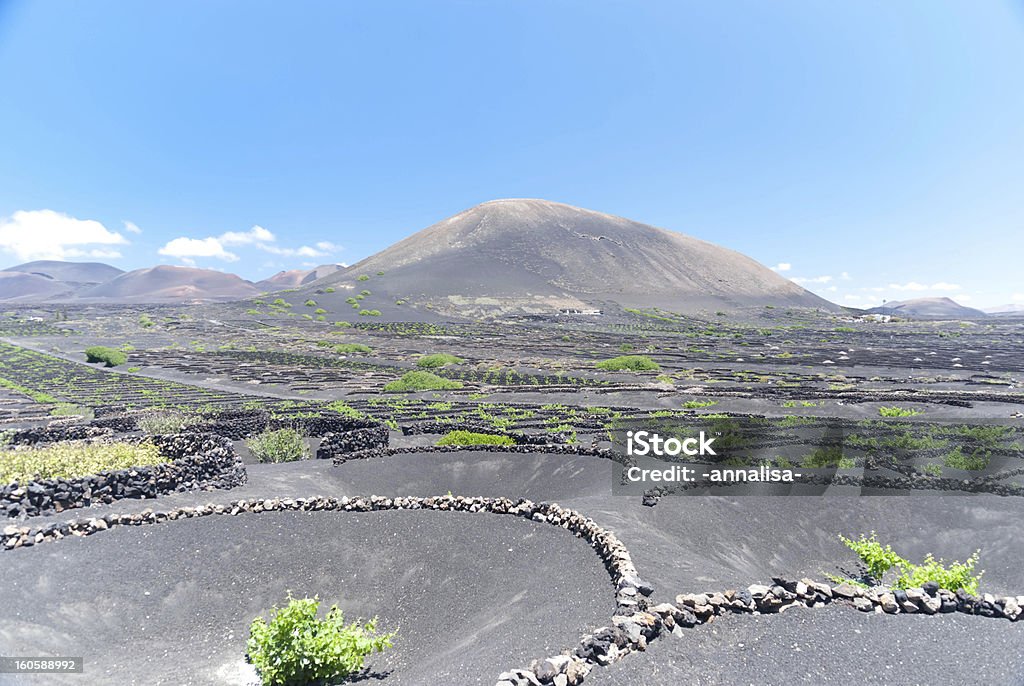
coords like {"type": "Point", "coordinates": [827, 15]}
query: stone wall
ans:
{"type": "Point", "coordinates": [198, 462]}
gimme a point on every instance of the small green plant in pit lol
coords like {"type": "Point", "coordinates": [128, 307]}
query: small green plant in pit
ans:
{"type": "Point", "coordinates": [348, 348]}
{"type": "Point", "coordinates": [296, 647]}
{"type": "Point", "coordinates": [108, 356]}
{"type": "Point", "coordinates": [878, 559]}
{"type": "Point", "coordinates": [471, 438]}
{"type": "Point", "coordinates": [421, 381]}
{"type": "Point", "coordinates": [976, 461]}
{"type": "Point", "coordinates": [438, 360]}
{"type": "Point", "coordinates": [71, 410]}
{"type": "Point", "coordinates": [830, 458]}
{"type": "Point", "coordinates": [344, 408]}
{"type": "Point", "coordinates": [695, 404]}
{"type": "Point", "coordinates": [626, 348]}
{"type": "Point", "coordinates": [72, 459]}
{"type": "Point", "coordinates": [932, 469]}
{"type": "Point", "coordinates": [281, 445]}
{"type": "Point", "coordinates": [363, 277]}
{"type": "Point", "coordinates": [896, 411]}
{"type": "Point", "coordinates": [636, 363]}
{"type": "Point", "coordinates": [156, 422]}
{"type": "Point", "coordinates": [310, 303]}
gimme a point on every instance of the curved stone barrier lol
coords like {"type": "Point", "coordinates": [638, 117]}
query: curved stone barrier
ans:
{"type": "Point", "coordinates": [548, 449]}
{"type": "Point", "coordinates": [630, 592]}
{"type": "Point", "coordinates": [198, 462]}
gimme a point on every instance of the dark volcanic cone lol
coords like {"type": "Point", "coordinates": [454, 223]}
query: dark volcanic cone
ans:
{"type": "Point", "coordinates": [540, 256]}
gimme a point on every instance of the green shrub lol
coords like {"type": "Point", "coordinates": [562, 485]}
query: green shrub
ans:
{"type": "Point", "coordinates": [296, 648]}
{"type": "Point", "coordinates": [346, 348]}
{"type": "Point", "coordinates": [895, 411]}
{"type": "Point", "coordinates": [636, 363]}
{"type": "Point", "coordinates": [879, 559]}
{"type": "Point", "coordinates": [281, 445]}
{"type": "Point", "coordinates": [370, 313]}
{"type": "Point", "coordinates": [71, 410]}
{"type": "Point", "coordinates": [695, 404]}
{"type": "Point", "coordinates": [310, 303]}
{"type": "Point", "coordinates": [108, 356]}
{"type": "Point", "coordinates": [976, 461]}
{"type": "Point", "coordinates": [329, 289]}
{"type": "Point", "coordinates": [420, 381]}
{"type": "Point", "coordinates": [363, 277]}
{"type": "Point", "coordinates": [438, 360]}
{"type": "Point", "coordinates": [470, 438]}
{"type": "Point", "coordinates": [156, 422]}
{"type": "Point", "coordinates": [72, 459]}
{"type": "Point", "coordinates": [344, 408]}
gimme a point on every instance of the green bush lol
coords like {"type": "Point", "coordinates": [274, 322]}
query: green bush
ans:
{"type": "Point", "coordinates": [346, 348]}
{"type": "Point", "coordinates": [108, 356]}
{"type": "Point", "coordinates": [296, 648]}
{"type": "Point", "coordinates": [363, 277]}
{"type": "Point", "coordinates": [72, 459]}
{"type": "Point", "coordinates": [636, 363]}
{"type": "Point", "coordinates": [155, 422]}
{"type": "Point", "coordinates": [310, 303]}
{"type": "Point", "coordinates": [696, 404]}
{"type": "Point", "coordinates": [420, 381]}
{"type": "Point", "coordinates": [879, 559]}
{"type": "Point", "coordinates": [895, 411]}
{"type": "Point", "coordinates": [438, 360]}
{"type": "Point", "coordinates": [281, 445]}
{"type": "Point", "coordinates": [471, 438]}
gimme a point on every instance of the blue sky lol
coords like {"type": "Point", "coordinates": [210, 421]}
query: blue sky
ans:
{"type": "Point", "coordinates": [877, 140]}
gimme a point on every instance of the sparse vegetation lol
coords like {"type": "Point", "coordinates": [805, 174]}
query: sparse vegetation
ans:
{"type": "Point", "coordinates": [635, 363]}
{"type": "Point", "coordinates": [421, 381]}
{"type": "Point", "coordinates": [438, 360]}
{"type": "Point", "coordinates": [297, 648]}
{"type": "Point", "coordinates": [108, 356]}
{"type": "Point", "coordinates": [281, 445]}
{"type": "Point", "coordinates": [471, 438]}
{"type": "Point", "coordinates": [72, 459]}
{"type": "Point", "coordinates": [349, 348]}
{"type": "Point", "coordinates": [895, 411]}
{"type": "Point", "coordinates": [879, 559]}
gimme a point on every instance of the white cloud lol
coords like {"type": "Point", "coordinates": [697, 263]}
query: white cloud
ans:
{"type": "Point", "coordinates": [1017, 297]}
{"type": "Point", "coordinates": [49, 235]}
{"type": "Point", "coordinates": [131, 227]}
{"type": "Point", "coordinates": [915, 286]}
{"type": "Point", "coordinates": [254, 235]}
{"type": "Point", "coordinates": [197, 247]}
{"type": "Point", "coordinates": [852, 298]}
{"type": "Point", "coordinates": [782, 267]}
{"type": "Point", "coordinates": [811, 279]}
{"type": "Point", "coordinates": [832, 289]}
{"type": "Point", "coordinates": [962, 298]}
{"type": "Point", "coordinates": [257, 236]}
{"type": "Point", "coordinates": [845, 276]}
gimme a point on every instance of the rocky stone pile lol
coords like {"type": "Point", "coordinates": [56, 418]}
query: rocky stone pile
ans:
{"type": "Point", "coordinates": [353, 440]}
{"type": "Point", "coordinates": [198, 462]}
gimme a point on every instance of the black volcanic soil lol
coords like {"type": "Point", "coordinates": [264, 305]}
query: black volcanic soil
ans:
{"type": "Point", "coordinates": [466, 592]}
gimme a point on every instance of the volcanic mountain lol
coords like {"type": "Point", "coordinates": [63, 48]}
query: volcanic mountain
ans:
{"type": "Point", "coordinates": [931, 308]}
{"type": "Point", "coordinates": [297, 277]}
{"type": "Point", "coordinates": [166, 283]}
{"type": "Point", "coordinates": [541, 256]}
{"type": "Point", "coordinates": [74, 272]}
{"type": "Point", "coordinates": [52, 279]}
